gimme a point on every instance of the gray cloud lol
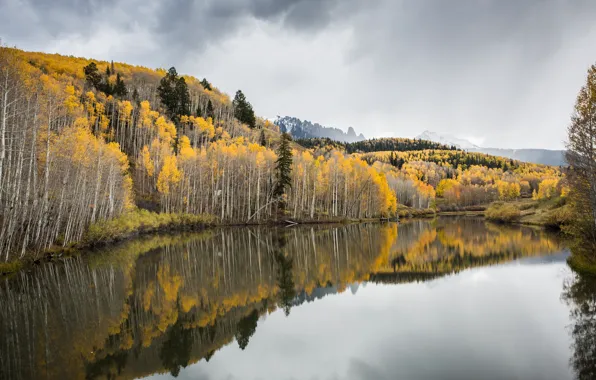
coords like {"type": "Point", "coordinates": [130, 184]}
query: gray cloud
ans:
{"type": "Point", "coordinates": [502, 71]}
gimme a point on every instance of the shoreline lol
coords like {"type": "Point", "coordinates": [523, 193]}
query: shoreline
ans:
{"type": "Point", "coordinates": [139, 223]}
{"type": "Point", "coordinates": [180, 223]}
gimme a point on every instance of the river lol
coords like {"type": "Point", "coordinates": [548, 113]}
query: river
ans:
{"type": "Point", "coordinates": [451, 298]}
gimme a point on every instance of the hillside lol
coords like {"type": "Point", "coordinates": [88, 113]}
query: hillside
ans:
{"type": "Point", "coordinates": [373, 145]}
{"type": "Point", "coordinates": [537, 156]}
{"type": "Point", "coordinates": [304, 129]}
{"type": "Point", "coordinates": [85, 144]}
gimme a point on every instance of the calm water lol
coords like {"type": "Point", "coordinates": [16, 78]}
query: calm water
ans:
{"type": "Point", "coordinates": [449, 299]}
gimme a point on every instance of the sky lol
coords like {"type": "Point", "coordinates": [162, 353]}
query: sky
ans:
{"type": "Point", "coordinates": [502, 73]}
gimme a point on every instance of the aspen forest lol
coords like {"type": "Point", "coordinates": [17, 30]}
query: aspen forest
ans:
{"type": "Point", "coordinates": [83, 142]}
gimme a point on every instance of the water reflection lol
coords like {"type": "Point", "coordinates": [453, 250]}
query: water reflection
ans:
{"type": "Point", "coordinates": [580, 294]}
{"type": "Point", "coordinates": [158, 304]}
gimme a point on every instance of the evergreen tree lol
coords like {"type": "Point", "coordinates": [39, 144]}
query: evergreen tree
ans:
{"type": "Point", "coordinates": [112, 67]}
{"type": "Point", "coordinates": [183, 98]}
{"type": "Point", "coordinates": [92, 75]}
{"type": "Point", "coordinates": [262, 139]}
{"type": "Point", "coordinates": [108, 73]}
{"type": "Point", "coordinates": [199, 113]}
{"type": "Point", "coordinates": [246, 328]}
{"type": "Point", "coordinates": [135, 95]}
{"type": "Point", "coordinates": [206, 85]}
{"type": "Point", "coordinates": [243, 111]}
{"type": "Point", "coordinates": [210, 112]}
{"type": "Point", "coordinates": [283, 168]}
{"type": "Point", "coordinates": [120, 88]}
{"type": "Point", "coordinates": [174, 95]}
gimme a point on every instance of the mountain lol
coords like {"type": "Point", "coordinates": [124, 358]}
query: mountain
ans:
{"type": "Point", "coordinates": [304, 129]}
{"type": "Point", "coordinates": [537, 156]}
{"type": "Point", "coordinates": [447, 140]}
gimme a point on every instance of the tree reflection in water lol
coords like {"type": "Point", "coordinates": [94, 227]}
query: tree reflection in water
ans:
{"type": "Point", "coordinates": [160, 303]}
{"type": "Point", "coordinates": [580, 295]}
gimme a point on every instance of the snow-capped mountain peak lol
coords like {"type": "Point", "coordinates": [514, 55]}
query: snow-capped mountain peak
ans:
{"type": "Point", "coordinates": [447, 140]}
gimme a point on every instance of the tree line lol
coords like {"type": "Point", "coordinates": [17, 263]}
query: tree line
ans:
{"type": "Point", "coordinates": [85, 141]}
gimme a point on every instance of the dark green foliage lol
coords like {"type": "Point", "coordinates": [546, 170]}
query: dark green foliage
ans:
{"type": "Point", "coordinates": [206, 85]}
{"type": "Point", "coordinates": [396, 161]}
{"type": "Point", "coordinates": [95, 79]}
{"type": "Point", "coordinates": [394, 144]}
{"type": "Point", "coordinates": [173, 92]}
{"type": "Point", "coordinates": [243, 111]}
{"type": "Point", "coordinates": [92, 75]}
{"type": "Point", "coordinates": [374, 145]}
{"type": "Point", "coordinates": [262, 139]}
{"type": "Point", "coordinates": [175, 351]}
{"type": "Point", "coordinates": [579, 293]}
{"type": "Point", "coordinates": [283, 168]}
{"type": "Point", "coordinates": [135, 95]}
{"type": "Point", "coordinates": [285, 276]}
{"type": "Point", "coordinates": [321, 142]}
{"type": "Point", "coordinates": [210, 113]}
{"type": "Point", "coordinates": [183, 97]}
{"type": "Point", "coordinates": [246, 328]}
{"type": "Point", "coordinates": [120, 87]}
{"type": "Point", "coordinates": [198, 112]}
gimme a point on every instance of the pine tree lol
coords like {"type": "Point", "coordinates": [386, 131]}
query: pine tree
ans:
{"type": "Point", "coordinates": [112, 67]}
{"type": "Point", "coordinates": [210, 112]}
{"type": "Point", "coordinates": [243, 111]}
{"type": "Point", "coordinates": [92, 75]}
{"type": "Point", "coordinates": [173, 92]}
{"type": "Point", "coordinates": [206, 85]}
{"type": "Point", "coordinates": [120, 87]}
{"type": "Point", "coordinates": [262, 139]}
{"type": "Point", "coordinates": [183, 98]}
{"type": "Point", "coordinates": [283, 167]}
{"type": "Point", "coordinates": [198, 112]}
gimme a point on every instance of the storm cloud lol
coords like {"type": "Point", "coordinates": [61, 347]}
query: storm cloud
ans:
{"type": "Point", "coordinates": [503, 73]}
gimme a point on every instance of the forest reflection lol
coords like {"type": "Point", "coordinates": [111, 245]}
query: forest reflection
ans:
{"type": "Point", "coordinates": [580, 295]}
{"type": "Point", "coordinates": [160, 303]}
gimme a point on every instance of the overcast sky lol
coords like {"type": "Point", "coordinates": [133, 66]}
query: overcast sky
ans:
{"type": "Point", "coordinates": [502, 73]}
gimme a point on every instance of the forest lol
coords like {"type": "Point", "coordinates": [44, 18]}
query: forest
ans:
{"type": "Point", "coordinates": [86, 144]}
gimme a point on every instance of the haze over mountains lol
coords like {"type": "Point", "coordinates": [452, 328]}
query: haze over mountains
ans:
{"type": "Point", "coordinates": [304, 129]}
{"type": "Point", "coordinates": [538, 156]}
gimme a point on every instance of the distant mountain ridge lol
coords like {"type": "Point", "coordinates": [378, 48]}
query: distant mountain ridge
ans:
{"type": "Point", "coordinates": [447, 140]}
{"type": "Point", "coordinates": [304, 129]}
{"type": "Point", "coordinates": [537, 156]}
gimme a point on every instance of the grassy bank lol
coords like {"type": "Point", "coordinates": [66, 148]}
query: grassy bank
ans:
{"type": "Point", "coordinates": [552, 213]}
{"type": "Point", "coordinates": [409, 212]}
{"type": "Point", "coordinates": [142, 222]}
{"type": "Point", "coordinates": [131, 224]}
{"type": "Point", "coordinates": [581, 265]}
{"type": "Point", "coordinates": [139, 222]}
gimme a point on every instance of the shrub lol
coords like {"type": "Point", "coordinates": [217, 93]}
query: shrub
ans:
{"type": "Point", "coordinates": [560, 217]}
{"type": "Point", "coordinates": [502, 212]}
{"type": "Point", "coordinates": [139, 221]}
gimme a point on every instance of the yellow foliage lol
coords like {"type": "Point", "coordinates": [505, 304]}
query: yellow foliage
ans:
{"type": "Point", "coordinates": [169, 175]}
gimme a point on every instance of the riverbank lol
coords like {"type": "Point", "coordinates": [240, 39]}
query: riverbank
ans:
{"type": "Point", "coordinates": [142, 222]}
{"type": "Point", "coordinates": [552, 213]}
{"type": "Point", "coordinates": [580, 265]}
